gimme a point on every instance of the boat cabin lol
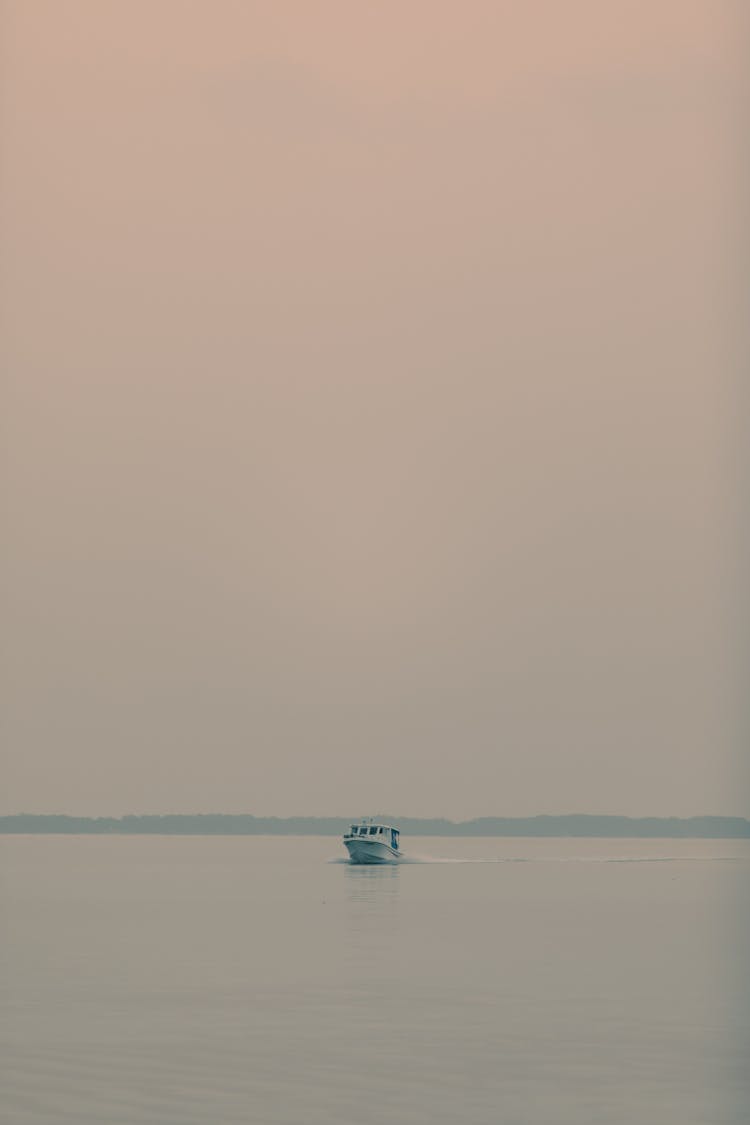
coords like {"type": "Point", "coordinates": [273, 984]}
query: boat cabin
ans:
{"type": "Point", "coordinates": [381, 832]}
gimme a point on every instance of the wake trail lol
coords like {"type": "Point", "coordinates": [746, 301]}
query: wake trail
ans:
{"type": "Point", "coordinates": [407, 860]}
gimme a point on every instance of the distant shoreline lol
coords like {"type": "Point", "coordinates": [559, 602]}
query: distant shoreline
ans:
{"type": "Point", "coordinates": [225, 824]}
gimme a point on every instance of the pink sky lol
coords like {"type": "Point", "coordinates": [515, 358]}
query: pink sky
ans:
{"type": "Point", "coordinates": [369, 391]}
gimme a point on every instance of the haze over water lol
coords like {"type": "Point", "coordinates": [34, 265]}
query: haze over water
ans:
{"type": "Point", "coordinates": [181, 981]}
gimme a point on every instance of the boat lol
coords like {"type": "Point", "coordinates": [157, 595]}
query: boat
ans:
{"type": "Point", "coordinates": [370, 842]}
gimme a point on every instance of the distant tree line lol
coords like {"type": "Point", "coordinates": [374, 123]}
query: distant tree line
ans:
{"type": "Point", "coordinates": [224, 824]}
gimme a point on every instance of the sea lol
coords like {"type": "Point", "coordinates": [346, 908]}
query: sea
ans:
{"type": "Point", "coordinates": [212, 980]}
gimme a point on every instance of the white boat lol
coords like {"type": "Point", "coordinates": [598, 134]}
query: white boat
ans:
{"type": "Point", "coordinates": [369, 842]}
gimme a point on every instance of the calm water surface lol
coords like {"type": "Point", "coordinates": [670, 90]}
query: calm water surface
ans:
{"type": "Point", "coordinates": [249, 979]}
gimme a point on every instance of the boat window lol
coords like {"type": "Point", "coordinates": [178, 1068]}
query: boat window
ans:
{"type": "Point", "coordinates": [373, 830]}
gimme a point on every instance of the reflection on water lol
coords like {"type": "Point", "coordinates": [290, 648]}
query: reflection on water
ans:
{"type": "Point", "coordinates": [372, 897]}
{"type": "Point", "coordinates": [370, 882]}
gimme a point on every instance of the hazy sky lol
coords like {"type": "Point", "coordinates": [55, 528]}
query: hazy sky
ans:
{"type": "Point", "coordinates": [366, 409]}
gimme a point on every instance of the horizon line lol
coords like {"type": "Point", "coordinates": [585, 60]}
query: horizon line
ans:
{"type": "Point", "coordinates": [339, 816]}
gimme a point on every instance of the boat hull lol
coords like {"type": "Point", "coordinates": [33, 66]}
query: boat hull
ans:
{"type": "Point", "coordinates": [365, 850]}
